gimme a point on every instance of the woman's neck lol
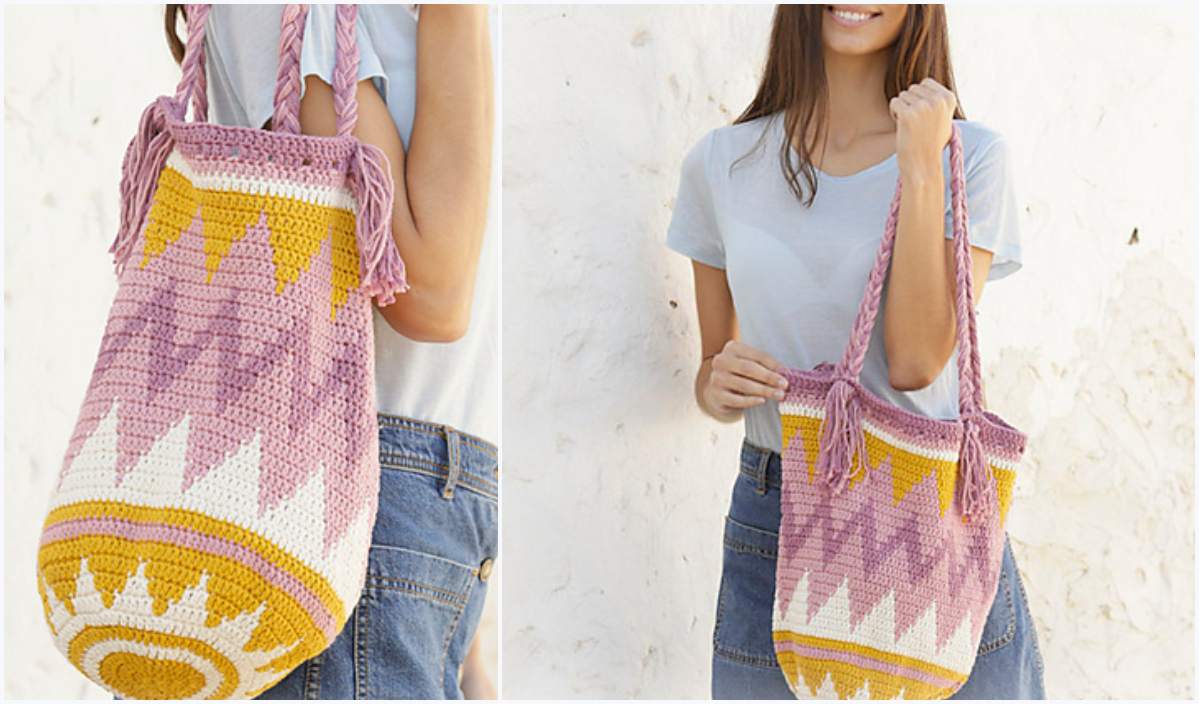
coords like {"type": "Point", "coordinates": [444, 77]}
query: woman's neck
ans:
{"type": "Point", "coordinates": [857, 98]}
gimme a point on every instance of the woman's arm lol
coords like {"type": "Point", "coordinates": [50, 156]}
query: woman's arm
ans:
{"type": "Point", "coordinates": [919, 323]}
{"type": "Point", "coordinates": [443, 181]}
{"type": "Point", "coordinates": [732, 376]}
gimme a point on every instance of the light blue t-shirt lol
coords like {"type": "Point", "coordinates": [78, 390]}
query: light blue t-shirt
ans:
{"type": "Point", "coordinates": [797, 273]}
{"type": "Point", "coordinates": [457, 383]}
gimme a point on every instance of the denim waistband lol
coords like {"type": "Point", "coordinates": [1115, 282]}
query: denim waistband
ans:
{"type": "Point", "coordinates": [762, 466]}
{"type": "Point", "coordinates": [461, 459]}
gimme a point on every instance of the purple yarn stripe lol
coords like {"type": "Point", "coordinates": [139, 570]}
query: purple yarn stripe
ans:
{"type": "Point", "coordinates": [864, 662]}
{"type": "Point", "coordinates": [176, 535]}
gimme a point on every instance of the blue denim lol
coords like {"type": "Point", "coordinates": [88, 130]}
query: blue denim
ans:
{"type": "Point", "coordinates": [426, 580]}
{"type": "Point", "coordinates": [1008, 665]}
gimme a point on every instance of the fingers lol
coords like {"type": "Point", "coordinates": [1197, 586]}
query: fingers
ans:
{"type": "Point", "coordinates": [744, 384]}
{"type": "Point", "coordinates": [743, 377]}
{"type": "Point", "coordinates": [732, 401]}
{"type": "Point", "coordinates": [751, 363]}
{"type": "Point", "coordinates": [921, 98]}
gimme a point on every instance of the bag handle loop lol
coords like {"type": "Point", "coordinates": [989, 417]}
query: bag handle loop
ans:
{"type": "Point", "coordinates": [968, 363]}
{"type": "Point", "coordinates": [345, 70]}
{"type": "Point", "coordinates": [842, 454]}
{"type": "Point", "coordinates": [193, 83]}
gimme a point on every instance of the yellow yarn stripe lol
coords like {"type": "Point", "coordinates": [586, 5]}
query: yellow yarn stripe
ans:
{"type": "Point", "coordinates": [867, 651]}
{"type": "Point", "coordinates": [848, 680]}
{"type": "Point", "coordinates": [907, 468]}
{"type": "Point", "coordinates": [139, 680]}
{"type": "Point", "coordinates": [297, 230]}
{"type": "Point", "coordinates": [186, 519]}
{"type": "Point", "coordinates": [233, 589]}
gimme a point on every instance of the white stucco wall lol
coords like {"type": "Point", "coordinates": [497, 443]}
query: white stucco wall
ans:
{"type": "Point", "coordinates": [616, 485]}
{"type": "Point", "coordinates": [77, 79]}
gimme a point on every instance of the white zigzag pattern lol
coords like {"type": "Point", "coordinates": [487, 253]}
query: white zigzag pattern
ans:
{"type": "Point", "coordinates": [228, 492]}
{"type": "Point", "coordinates": [877, 629]}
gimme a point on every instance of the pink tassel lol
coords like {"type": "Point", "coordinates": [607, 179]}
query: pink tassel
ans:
{"type": "Point", "coordinates": [145, 158]}
{"type": "Point", "coordinates": [976, 489]}
{"type": "Point", "coordinates": [381, 270]}
{"type": "Point", "coordinates": [842, 439]}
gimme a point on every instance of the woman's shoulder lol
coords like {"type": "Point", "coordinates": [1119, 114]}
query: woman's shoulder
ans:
{"type": "Point", "coordinates": [720, 147]}
{"type": "Point", "coordinates": [981, 142]}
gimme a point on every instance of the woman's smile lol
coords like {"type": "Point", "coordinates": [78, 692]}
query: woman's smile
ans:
{"type": "Point", "coordinates": [852, 15]}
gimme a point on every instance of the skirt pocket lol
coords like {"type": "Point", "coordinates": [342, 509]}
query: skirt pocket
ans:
{"type": "Point", "coordinates": [746, 599]}
{"type": "Point", "coordinates": [411, 607]}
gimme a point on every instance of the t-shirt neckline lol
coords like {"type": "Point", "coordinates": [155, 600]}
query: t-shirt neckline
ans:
{"type": "Point", "coordinates": [823, 175]}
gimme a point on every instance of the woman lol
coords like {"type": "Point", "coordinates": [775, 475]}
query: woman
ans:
{"type": "Point", "coordinates": [853, 97]}
{"type": "Point", "coordinates": [425, 99]}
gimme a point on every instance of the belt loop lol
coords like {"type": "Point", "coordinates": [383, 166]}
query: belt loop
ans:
{"type": "Point", "coordinates": [453, 452]}
{"type": "Point", "coordinates": [763, 464]}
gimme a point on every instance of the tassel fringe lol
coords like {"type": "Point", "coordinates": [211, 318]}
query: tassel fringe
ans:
{"type": "Point", "coordinates": [145, 158]}
{"type": "Point", "coordinates": [976, 488]}
{"type": "Point", "coordinates": [842, 455]}
{"type": "Point", "coordinates": [381, 270]}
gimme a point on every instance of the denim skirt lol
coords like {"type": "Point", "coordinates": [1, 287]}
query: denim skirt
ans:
{"type": "Point", "coordinates": [433, 546]}
{"type": "Point", "coordinates": [1008, 665]}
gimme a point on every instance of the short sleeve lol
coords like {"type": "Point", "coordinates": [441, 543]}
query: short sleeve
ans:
{"type": "Point", "coordinates": [693, 231]}
{"type": "Point", "coordinates": [319, 53]}
{"type": "Point", "coordinates": [992, 207]}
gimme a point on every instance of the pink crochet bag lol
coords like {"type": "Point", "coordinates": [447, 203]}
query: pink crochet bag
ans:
{"type": "Point", "coordinates": [892, 533]}
{"type": "Point", "coordinates": [211, 523]}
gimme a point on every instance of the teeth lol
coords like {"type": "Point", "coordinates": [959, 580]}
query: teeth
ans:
{"type": "Point", "coordinates": [852, 16]}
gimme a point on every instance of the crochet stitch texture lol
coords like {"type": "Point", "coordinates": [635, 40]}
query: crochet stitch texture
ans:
{"type": "Point", "coordinates": [892, 523]}
{"type": "Point", "coordinates": [211, 524]}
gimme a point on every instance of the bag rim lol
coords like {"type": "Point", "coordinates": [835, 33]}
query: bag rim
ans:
{"type": "Point", "coordinates": [996, 433]}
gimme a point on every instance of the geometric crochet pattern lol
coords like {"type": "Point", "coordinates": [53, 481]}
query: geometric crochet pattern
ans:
{"type": "Point", "coordinates": [838, 605]}
{"type": "Point", "coordinates": [891, 535]}
{"type": "Point", "coordinates": [211, 523]}
{"type": "Point", "coordinates": [221, 483]}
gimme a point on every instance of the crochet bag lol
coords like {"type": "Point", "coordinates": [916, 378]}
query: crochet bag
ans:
{"type": "Point", "coordinates": [210, 527]}
{"type": "Point", "coordinates": [891, 538]}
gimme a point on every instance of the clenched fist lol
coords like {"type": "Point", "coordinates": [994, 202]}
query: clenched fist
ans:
{"type": "Point", "coordinates": [923, 114]}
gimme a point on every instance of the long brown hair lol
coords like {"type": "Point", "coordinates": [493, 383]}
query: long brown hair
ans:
{"type": "Point", "coordinates": [170, 17]}
{"type": "Point", "coordinates": [794, 81]}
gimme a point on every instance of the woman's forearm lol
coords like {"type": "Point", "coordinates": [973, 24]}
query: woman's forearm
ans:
{"type": "Point", "coordinates": [439, 221]}
{"type": "Point", "coordinates": [919, 320]}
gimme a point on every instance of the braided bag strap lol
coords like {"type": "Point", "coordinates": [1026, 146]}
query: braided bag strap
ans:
{"type": "Point", "coordinates": [969, 366]}
{"type": "Point", "coordinates": [289, 82]}
{"type": "Point", "coordinates": [193, 84]}
{"type": "Point", "coordinates": [286, 117]}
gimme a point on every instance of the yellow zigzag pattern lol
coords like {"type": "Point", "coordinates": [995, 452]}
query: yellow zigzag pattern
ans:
{"type": "Point", "coordinates": [285, 623]}
{"type": "Point", "coordinates": [908, 468]}
{"type": "Point", "coordinates": [297, 230]}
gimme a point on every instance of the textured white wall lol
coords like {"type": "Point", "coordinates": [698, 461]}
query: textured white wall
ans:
{"type": "Point", "coordinates": [77, 79]}
{"type": "Point", "coordinates": [616, 485]}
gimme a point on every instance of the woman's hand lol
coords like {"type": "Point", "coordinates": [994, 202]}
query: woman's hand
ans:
{"type": "Point", "coordinates": [924, 115]}
{"type": "Point", "coordinates": [740, 377]}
